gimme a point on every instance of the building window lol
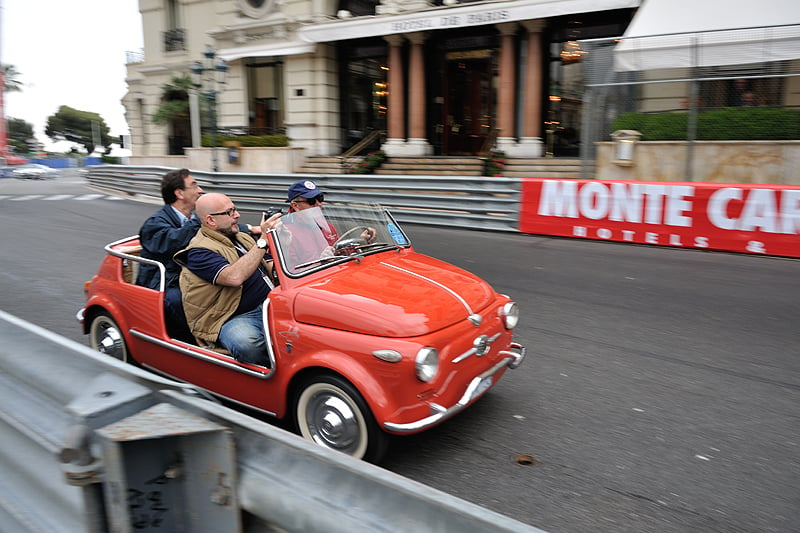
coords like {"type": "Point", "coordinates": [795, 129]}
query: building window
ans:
{"type": "Point", "coordinates": [256, 8]}
{"type": "Point", "coordinates": [173, 20]}
{"type": "Point", "coordinates": [264, 87]}
{"type": "Point", "coordinates": [365, 94]}
{"type": "Point", "coordinates": [175, 40]}
{"type": "Point", "coordinates": [359, 8]}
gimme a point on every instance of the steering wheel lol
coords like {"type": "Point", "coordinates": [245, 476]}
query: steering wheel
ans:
{"type": "Point", "coordinates": [345, 241]}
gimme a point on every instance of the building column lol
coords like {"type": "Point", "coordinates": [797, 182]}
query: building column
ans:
{"type": "Point", "coordinates": [506, 139]}
{"type": "Point", "coordinates": [395, 138]}
{"type": "Point", "coordinates": [417, 139]}
{"type": "Point", "coordinates": [531, 145]}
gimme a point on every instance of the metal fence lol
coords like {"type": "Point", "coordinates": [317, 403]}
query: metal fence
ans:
{"type": "Point", "coordinates": [723, 85]}
{"type": "Point", "coordinates": [90, 444]}
{"type": "Point", "coordinates": [475, 202]}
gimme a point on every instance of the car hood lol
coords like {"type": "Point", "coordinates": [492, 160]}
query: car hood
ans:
{"type": "Point", "coordinates": [393, 295]}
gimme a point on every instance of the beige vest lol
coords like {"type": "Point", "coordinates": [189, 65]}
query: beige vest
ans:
{"type": "Point", "coordinates": [208, 306]}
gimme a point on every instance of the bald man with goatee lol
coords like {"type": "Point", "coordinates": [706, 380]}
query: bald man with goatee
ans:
{"type": "Point", "coordinates": [225, 278]}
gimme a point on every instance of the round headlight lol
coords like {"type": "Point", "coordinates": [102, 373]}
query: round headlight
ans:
{"type": "Point", "coordinates": [510, 314]}
{"type": "Point", "coordinates": [427, 363]}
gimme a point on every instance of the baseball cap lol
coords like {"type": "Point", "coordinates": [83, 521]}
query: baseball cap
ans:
{"type": "Point", "coordinates": [304, 188]}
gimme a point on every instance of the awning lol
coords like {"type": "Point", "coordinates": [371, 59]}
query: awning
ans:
{"type": "Point", "coordinates": [703, 33]}
{"type": "Point", "coordinates": [269, 50]}
{"type": "Point", "coordinates": [447, 17]}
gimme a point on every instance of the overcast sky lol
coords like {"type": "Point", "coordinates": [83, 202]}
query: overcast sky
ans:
{"type": "Point", "coordinates": [69, 52]}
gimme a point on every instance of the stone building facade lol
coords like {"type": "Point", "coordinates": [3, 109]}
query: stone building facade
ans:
{"type": "Point", "coordinates": [444, 77]}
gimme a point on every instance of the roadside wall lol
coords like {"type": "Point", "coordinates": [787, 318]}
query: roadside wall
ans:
{"type": "Point", "coordinates": [257, 160]}
{"type": "Point", "coordinates": [757, 162]}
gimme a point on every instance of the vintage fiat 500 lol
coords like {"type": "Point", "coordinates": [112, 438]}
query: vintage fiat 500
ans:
{"type": "Point", "coordinates": [365, 336]}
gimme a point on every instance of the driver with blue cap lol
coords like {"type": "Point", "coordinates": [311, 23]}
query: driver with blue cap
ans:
{"type": "Point", "coordinates": [304, 194]}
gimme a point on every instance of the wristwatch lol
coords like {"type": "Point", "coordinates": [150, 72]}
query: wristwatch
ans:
{"type": "Point", "coordinates": [262, 243]}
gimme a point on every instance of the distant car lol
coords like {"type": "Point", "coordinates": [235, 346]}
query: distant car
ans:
{"type": "Point", "coordinates": [365, 338]}
{"type": "Point", "coordinates": [34, 171]}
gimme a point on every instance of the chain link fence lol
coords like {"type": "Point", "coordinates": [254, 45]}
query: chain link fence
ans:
{"type": "Point", "coordinates": [740, 84]}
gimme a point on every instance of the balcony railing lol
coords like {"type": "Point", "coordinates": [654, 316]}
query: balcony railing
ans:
{"type": "Point", "coordinates": [136, 56]}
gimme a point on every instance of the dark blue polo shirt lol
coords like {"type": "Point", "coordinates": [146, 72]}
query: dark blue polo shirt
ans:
{"type": "Point", "coordinates": [207, 265]}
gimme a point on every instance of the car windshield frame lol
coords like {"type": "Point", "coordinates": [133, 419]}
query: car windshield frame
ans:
{"type": "Point", "coordinates": [319, 238]}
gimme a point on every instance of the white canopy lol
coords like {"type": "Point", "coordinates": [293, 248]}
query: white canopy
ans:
{"type": "Point", "coordinates": [457, 16]}
{"type": "Point", "coordinates": [702, 33]}
{"type": "Point", "coordinates": [285, 48]}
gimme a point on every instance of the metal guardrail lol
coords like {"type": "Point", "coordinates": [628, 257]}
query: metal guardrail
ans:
{"type": "Point", "coordinates": [475, 202]}
{"type": "Point", "coordinates": [88, 443]}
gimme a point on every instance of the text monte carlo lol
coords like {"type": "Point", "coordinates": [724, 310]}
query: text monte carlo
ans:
{"type": "Point", "coordinates": [763, 219]}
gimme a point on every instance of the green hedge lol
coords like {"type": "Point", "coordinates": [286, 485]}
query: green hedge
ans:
{"type": "Point", "coordinates": [730, 124]}
{"type": "Point", "coordinates": [250, 141]}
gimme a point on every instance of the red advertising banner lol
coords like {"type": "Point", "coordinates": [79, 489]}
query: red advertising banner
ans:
{"type": "Point", "coordinates": [757, 219]}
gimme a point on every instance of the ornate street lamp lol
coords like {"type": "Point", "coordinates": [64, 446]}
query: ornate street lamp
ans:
{"type": "Point", "coordinates": [208, 77]}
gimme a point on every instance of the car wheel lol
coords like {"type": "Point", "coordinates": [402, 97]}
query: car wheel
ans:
{"type": "Point", "coordinates": [330, 412]}
{"type": "Point", "coordinates": [106, 337]}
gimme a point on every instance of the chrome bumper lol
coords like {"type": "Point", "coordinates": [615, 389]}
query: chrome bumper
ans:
{"type": "Point", "coordinates": [479, 384]}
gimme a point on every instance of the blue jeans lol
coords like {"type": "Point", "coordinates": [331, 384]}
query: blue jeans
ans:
{"type": "Point", "coordinates": [174, 316]}
{"type": "Point", "coordinates": [243, 336]}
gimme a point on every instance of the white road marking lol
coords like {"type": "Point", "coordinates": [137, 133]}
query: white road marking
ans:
{"type": "Point", "coordinates": [89, 197]}
{"type": "Point", "coordinates": [57, 197]}
{"type": "Point", "coordinates": [27, 197]}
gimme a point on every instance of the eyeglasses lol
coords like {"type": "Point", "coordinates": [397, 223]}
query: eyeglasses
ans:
{"type": "Point", "coordinates": [311, 201]}
{"type": "Point", "coordinates": [228, 212]}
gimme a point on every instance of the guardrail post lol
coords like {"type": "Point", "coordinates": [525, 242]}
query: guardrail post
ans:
{"type": "Point", "coordinates": [161, 468]}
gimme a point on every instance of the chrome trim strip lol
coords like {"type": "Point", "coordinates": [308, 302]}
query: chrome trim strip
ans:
{"type": "Point", "coordinates": [471, 351]}
{"type": "Point", "coordinates": [440, 414]}
{"type": "Point", "coordinates": [390, 356]}
{"type": "Point", "coordinates": [138, 259]}
{"type": "Point", "coordinates": [429, 280]}
{"type": "Point", "coordinates": [212, 395]}
{"type": "Point", "coordinates": [267, 336]}
{"type": "Point", "coordinates": [518, 354]}
{"type": "Point", "coordinates": [231, 365]}
{"type": "Point", "coordinates": [463, 356]}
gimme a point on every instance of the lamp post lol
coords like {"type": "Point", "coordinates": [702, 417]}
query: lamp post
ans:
{"type": "Point", "coordinates": [208, 77]}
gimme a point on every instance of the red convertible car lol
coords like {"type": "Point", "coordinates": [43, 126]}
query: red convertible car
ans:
{"type": "Point", "coordinates": [365, 339]}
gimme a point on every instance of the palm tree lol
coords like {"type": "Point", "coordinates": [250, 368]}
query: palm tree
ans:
{"type": "Point", "coordinates": [10, 82]}
{"type": "Point", "coordinates": [174, 113]}
{"type": "Point", "coordinates": [174, 100]}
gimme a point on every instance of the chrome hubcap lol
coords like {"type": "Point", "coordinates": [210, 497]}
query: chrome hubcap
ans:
{"type": "Point", "coordinates": [109, 340]}
{"type": "Point", "coordinates": [332, 422]}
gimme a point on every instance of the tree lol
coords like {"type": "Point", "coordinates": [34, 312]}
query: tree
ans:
{"type": "Point", "coordinates": [19, 133]}
{"type": "Point", "coordinates": [174, 101]}
{"type": "Point", "coordinates": [78, 126]}
{"type": "Point", "coordinates": [174, 113]}
{"type": "Point", "coordinates": [10, 82]}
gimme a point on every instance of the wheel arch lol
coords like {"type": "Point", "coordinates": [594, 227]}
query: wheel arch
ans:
{"type": "Point", "coordinates": [91, 311]}
{"type": "Point", "coordinates": [372, 436]}
{"type": "Point", "coordinates": [373, 393]}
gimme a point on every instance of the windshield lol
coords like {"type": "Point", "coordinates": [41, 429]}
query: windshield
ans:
{"type": "Point", "coordinates": [316, 238]}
